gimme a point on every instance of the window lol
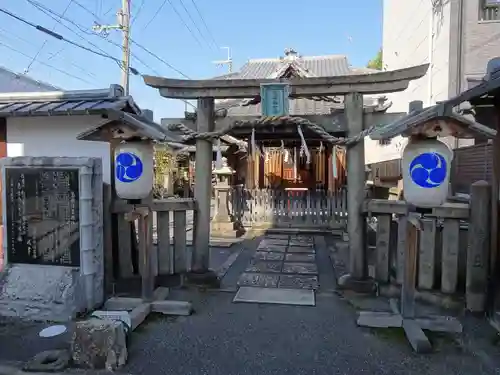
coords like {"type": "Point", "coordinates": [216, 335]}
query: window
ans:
{"type": "Point", "coordinates": [489, 10]}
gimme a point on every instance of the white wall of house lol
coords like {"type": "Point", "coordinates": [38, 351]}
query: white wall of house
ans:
{"type": "Point", "coordinates": [407, 41]}
{"type": "Point", "coordinates": [55, 136]}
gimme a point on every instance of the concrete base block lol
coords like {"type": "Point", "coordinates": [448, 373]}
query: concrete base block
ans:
{"type": "Point", "coordinates": [122, 303]}
{"type": "Point", "coordinates": [172, 307]}
{"type": "Point", "coordinates": [298, 297]}
{"type": "Point", "coordinates": [139, 309]}
{"type": "Point", "coordinates": [413, 327]}
{"type": "Point", "coordinates": [366, 286]}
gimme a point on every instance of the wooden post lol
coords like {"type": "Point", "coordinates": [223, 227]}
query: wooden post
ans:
{"type": "Point", "coordinates": [382, 249]}
{"type": "Point", "coordinates": [410, 270]}
{"type": "Point", "coordinates": [495, 222]}
{"type": "Point", "coordinates": [426, 251]}
{"type": "Point", "coordinates": [356, 222]}
{"type": "Point", "coordinates": [203, 186]}
{"type": "Point", "coordinates": [401, 247]}
{"type": "Point", "coordinates": [478, 247]}
{"type": "Point", "coordinates": [449, 261]}
{"type": "Point", "coordinates": [165, 261]}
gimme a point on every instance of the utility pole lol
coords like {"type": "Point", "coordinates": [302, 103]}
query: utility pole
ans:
{"type": "Point", "coordinates": [228, 61]}
{"type": "Point", "coordinates": [123, 25]}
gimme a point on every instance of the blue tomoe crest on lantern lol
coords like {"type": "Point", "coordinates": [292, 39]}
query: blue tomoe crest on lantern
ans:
{"type": "Point", "coordinates": [128, 167]}
{"type": "Point", "coordinates": [428, 170]}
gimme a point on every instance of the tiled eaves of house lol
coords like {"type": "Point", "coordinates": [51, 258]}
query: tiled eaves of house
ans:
{"type": "Point", "coordinates": [318, 66]}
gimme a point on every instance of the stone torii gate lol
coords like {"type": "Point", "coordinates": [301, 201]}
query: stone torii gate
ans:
{"type": "Point", "coordinates": [352, 86]}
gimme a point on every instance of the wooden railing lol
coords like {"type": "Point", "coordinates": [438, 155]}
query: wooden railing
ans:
{"type": "Point", "coordinates": [453, 245]}
{"type": "Point", "coordinates": [438, 240]}
{"type": "Point", "coordinates": [489, 13]}
{"type": "Point", "coordinates": [169, 225]}
{"type": "Point", "coordinates": [289, 207]}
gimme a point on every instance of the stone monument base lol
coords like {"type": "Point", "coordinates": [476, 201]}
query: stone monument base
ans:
{"type": "Point", "coordinates": [42, 293]}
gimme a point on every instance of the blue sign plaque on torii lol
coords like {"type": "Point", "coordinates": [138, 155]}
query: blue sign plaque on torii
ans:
{"type": "Point", "coordinates": [274, 99]}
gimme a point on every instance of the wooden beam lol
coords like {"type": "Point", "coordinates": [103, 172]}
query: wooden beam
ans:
{"type": "Point", "coordinates": [332, 123]}
{"type": "Point", "coordinates": [161, 205]}
{"type": "Point", "coordinates": [447, 210]}
{"type": "Point", "coordinates": [373, 83]}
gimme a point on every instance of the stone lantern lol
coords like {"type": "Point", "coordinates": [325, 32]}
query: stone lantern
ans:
{"type": "Point", "coordinates": [223, 223]}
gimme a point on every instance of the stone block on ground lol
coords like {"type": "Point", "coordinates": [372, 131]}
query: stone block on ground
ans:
{"type": "Point", "coordinates": [99, 344]}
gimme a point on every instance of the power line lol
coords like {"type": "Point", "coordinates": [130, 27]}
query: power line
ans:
{"type": "Point", "coordinates": [51, 55]}
{"type": "Point", "coordinates": [61, 38]}
{"type": "Point", "coordinates": [178, 15]}
{"type": "Point", "coordinates": [82, 29]}
{"type": "Point", "coordinates": [50, 13]}
{"type": "Point", "coordinates": [158, 58]}
{"type": "Point", "coordinates": [45, 64]}
{"type": "Point", "coordinates": [46, 40]}
{"type": "Point", "coordinates": [185, 24]}
{"type": "Point", "coordinates": [88, 11]}
{"type": "Point", "coordinates": [154, 15]}
{"type": "Point", "coordinates": [193, 21]}
{"type": "Point", "coordinates": [141, 7]}
{"type": "Point", "coordinates": [204, 23]}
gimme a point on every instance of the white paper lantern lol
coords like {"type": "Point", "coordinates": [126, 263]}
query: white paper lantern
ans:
{"type": "Point", "coordinates": [426, 172]}
{"type": "Point", "coordinates": [134, 170]}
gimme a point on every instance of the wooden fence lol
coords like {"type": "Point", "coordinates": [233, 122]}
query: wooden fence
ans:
{"type": "Point", "coordinates": [440, 259]}
{"type": "Point", "coordinates": [168, 228]}
{"type": "Point", "coordinates": [453, 250]}
{"type": "Point", "coordinates": [289, 208]}
{"type": "Point", "coordinates": [471, 164]}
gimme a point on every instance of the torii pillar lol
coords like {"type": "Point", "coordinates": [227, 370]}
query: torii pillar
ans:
{"type": "Point", "coordinates": [357, 279]}
{"type": "Point", "coordinates": [353, 87]}
{"type": "Point", "coordinates": [205, 122]}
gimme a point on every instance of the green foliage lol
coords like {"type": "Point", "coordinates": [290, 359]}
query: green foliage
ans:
{"type": "Point", "coordinates": [376, 63]}
{"type": "Point", "coordinates": [164, 165]}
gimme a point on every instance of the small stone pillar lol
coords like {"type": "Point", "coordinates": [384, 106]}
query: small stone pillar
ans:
{"type": "Point", "coordinates": [223, 223]}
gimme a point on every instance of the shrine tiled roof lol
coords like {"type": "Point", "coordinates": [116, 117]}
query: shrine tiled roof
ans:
{"type": "Point", "coordinates": [301, 66]}
{"type": "Point", "coordinates": [318, 66]}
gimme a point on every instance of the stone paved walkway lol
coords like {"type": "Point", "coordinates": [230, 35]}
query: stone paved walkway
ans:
{"type": "Point", "coordinates": [283, 261]}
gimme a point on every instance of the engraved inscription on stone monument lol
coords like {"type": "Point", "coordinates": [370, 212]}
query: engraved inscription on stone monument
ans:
{"type": "Point", "coordinates": [43, 218]}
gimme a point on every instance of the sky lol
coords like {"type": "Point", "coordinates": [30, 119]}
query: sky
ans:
{"type": "Point", "coordinates": [186, 34]}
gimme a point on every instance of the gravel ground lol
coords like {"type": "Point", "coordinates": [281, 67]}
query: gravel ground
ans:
{"type": "Point", "coordinates": [226, 338]}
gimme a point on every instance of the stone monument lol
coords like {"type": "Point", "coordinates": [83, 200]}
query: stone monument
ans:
{"type": "Point", "coordinates": [53, 237]}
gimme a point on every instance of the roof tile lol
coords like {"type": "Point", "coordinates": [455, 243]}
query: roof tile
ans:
{"type": "Point", "coordinates": [319, 66]}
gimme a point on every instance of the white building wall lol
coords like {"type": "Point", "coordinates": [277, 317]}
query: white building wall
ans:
{"type": "Point", "coordinates": [55, 136]}
{"type": "Point", "coordinates": [407, 42]}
